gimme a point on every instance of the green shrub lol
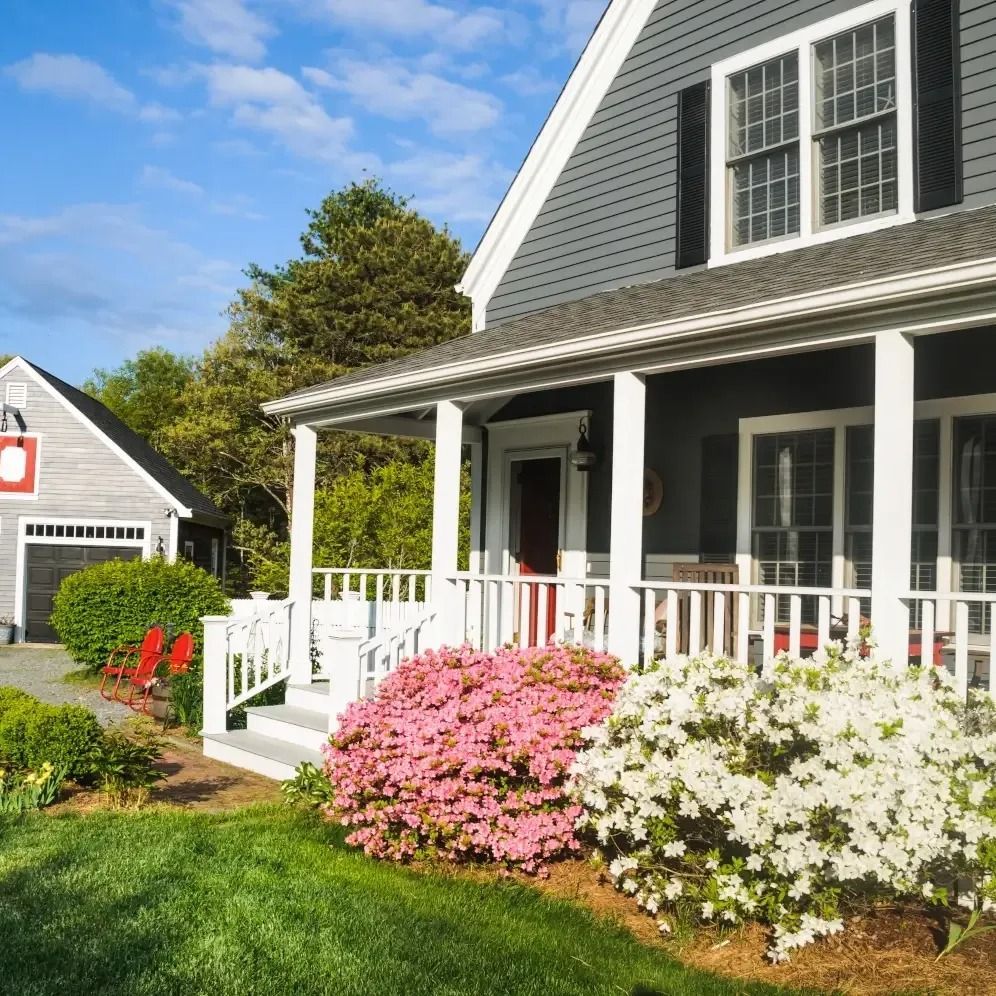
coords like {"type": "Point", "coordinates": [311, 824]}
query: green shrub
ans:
{"type": "Point", "coordinates": [111, 604]}
{"type": "Point", "coordinates": [33, 734]}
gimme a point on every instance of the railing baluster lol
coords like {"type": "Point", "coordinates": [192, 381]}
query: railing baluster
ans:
{"type": "Point", "coordinates": [599, 636]}
{"type": "Point", "coordinates": [649, 625]}
{"type": "Point", "coordinates": [853, 618]}
{"type": "Point", "coordinates": [927, 634]}
{"type": "Point", "coordinates": [347, 585]}
{"type": "Point", "coordinates": [823, 622]}
{"type": "Point", "coordinates": [694, 623]}
{"type": "Point", "coordinates": [506, 613]}
{"type": "Point", "coordinates": [379, 602]}
{"type": "Point", "coordinates": [328, 587]}
{"type": "Point", "coordinates": [795, 626]}
{"type": "Point", "coordinates": [525, 596]}
{"type": "Point", "coordinates": [363, 587]}
{"type": "Point", "coordinates": [743, 627]}
{"type": "Point", "coordinates": [770, 611]}
{"type": "Point", "coordinates": [961, 648]}
{"type": "Point", "coordinates": [475, 622]}
{"type": "Point", "coordinates": [396, 588]}
{"type": "Point", "coordinates": [671, 633]}
{"type": "Point", "coordinates": [542, 594]}
{"type": "Point", "coordinates": [579, 606]}
{"type": "Point", "coordinates": [719, 623]}
{"type": "Point", "coordinates": [492, 620]}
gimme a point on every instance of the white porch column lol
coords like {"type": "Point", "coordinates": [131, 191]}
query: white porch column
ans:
{"type": "Point", "coordinates": [302, 551]}
{"type": "Point", "coordinates": [893, 501]}
{"type": "Point", "coordinates": [477, 507]}
{"type": "Point", "coordinates": [446, 521]}
{"type": "Point", "coordinates": [626, 545]}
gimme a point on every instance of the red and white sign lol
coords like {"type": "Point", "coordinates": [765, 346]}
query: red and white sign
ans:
{"type": "Point", "coordinates": [18, 465]}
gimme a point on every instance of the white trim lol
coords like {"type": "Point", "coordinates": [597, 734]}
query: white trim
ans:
{"type": "Point", "coordinates": [874, 291]}
{"type": "Point", "coordinates": [802, 41]}
{"type": "Point", "coordinates": [103, 437]}
{"type": "Point", "coordinates": [598, 66]}
{"type": "Point", "coordinates": [25, 496]}
{"type": "Point", "coordinates": [24, 541]}
{"type": "Point", "coordinates": [533, 438]}
{"type": "Point", "coordinates": [944, 410]}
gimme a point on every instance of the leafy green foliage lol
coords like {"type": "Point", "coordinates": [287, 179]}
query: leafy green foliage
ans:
{"type": "Point", "coordinates": [309, 788]}
{"type": "Point", "coordinates": [113, 604]}
{"type": "Point", "coordinates": [144, 392]}
{"type": "Point", "coordinates": [376, 518]}
{"type": "Point", "coordinates": [21, 791]}
{"type": "Point", "coordinates": [33, 733]}
{"type": "Point", "coordinates": [958, 934]}
{"type": "Point", "coordinates": [125, 768]}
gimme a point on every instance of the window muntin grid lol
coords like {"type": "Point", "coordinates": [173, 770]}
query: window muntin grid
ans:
{"type": "Point", "coordinates": [855, 123]}
{"type": "Point", "coordinates": [855, 74]}
{"type": "Point", "coordinates": [763, 150]}
{"type": "Point", "coordinates": [764, 106]}
{"type": "Point", "coordinates": [793, 513]}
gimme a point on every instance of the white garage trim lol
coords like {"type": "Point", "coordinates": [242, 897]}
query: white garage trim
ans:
{"type": "Point", "coordinates": [42, 526]}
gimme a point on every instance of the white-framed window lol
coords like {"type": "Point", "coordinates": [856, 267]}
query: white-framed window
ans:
{"type": "Point", "coordinates": [811, 135]}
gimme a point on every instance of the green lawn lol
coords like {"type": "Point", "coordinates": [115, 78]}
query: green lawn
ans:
{"type": "Point", "coordinates": [266, 902]}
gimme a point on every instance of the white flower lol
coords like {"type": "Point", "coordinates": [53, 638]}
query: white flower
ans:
{"type": "Point", "coordinates": [707, 911]}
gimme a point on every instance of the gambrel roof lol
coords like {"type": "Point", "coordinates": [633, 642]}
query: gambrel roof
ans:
{"type": "Point", "coordinates": [136, 451]}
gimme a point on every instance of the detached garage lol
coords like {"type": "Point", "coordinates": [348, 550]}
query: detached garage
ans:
{"type": "Point", "coordinates": [78, 487]}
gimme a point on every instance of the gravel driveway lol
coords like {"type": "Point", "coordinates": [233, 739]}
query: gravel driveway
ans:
{"type": "Point", "coordinates": [40, 671]}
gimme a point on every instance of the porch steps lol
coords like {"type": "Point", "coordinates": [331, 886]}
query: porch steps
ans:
{"type": "Point", "coordinates": [314, 697]}
{"type": "Point", "coordinates": [291, 724]}
{"type": "Point", "coordinates": [267, 756]}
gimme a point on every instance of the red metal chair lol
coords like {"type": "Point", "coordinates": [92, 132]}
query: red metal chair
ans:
{"type": "Point", "coordinates": [178, 659]}
{"type": "Point", "coordinates": [118, 665]}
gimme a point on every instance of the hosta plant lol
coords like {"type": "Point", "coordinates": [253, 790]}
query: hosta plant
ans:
{"type": "Point", "coordinates": [724, 795]}
{"type": "Point", "coordinates": [465, 755]}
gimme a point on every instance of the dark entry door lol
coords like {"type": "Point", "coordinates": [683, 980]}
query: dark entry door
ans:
{"type": "Point", "coordinates": [539, 537]}
{"type": "Point", "coordinates": [47, 567]}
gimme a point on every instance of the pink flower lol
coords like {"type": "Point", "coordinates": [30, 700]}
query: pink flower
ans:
{"type": "Point", "coordinates": [464, 755]}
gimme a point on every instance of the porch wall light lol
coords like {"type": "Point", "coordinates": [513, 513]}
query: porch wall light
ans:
{"type": "Point", "coordinates": [583, 458]}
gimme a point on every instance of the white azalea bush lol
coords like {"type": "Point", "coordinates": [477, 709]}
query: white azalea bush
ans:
{"type": "Point", "coordinates": [789, 796]}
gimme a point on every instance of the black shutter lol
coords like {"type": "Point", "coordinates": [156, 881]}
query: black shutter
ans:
{"type": "Point", "coordinates": [718, 498]}
{"type": "Point", "coordinates": [937, 104]}
{"type": "Point", "coordinates": [693, 176]}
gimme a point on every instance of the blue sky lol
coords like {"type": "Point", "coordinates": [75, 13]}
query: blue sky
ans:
{"type": "Point", "coordinates": [153, 148]}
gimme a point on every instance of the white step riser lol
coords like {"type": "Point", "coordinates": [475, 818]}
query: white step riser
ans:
{"type": "Point", "coordinates": [239, 758]}
{"type": "Point", "coordinates": [314, 701]}
{"type": "Point", "coordinates": [277, 729]}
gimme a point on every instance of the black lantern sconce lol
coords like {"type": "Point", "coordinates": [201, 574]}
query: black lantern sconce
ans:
{"type": "Point", "coordinates": [584, 458]}
{"type": "Point", "coordinates": [22, 427]}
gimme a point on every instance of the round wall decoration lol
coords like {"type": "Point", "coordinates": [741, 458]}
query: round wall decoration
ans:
{"type": "Point", "coordinates": [653, 492]}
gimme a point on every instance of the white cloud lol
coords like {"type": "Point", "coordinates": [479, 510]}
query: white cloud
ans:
{"type": "Point", "coordinates": [391, 90]}
{"type": "Point", "coordinates": [452, 187]}
{"type": "Point", "coordinates": [447, 27]}
{"type": "Point", "coordinates": [272, 102]}
{"type": "Point", "coordinates": [163, 179]}
{"type": "Point", "coordinates": [227, 27]}
{"type": "Point", "coordinates": [73, 78]}
{"type": "Point", "coordinates": [530, 82]}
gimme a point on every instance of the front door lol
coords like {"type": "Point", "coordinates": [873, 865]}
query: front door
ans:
{"type": "Point", "coordinates": [537, 506]}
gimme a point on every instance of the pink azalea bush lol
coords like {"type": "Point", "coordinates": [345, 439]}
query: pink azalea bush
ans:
{"type": "Point", "coordinates": [465, 755]}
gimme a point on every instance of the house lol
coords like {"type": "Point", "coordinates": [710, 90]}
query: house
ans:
{"type": "Point", "coordinates": [78, 487]}
{"type": "Point", "coordinates": [732, 376]}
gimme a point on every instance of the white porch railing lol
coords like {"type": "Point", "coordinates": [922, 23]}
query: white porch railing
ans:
{"type": "Point", "coordinates": [530, 610]}
{"type": "Point", "coordinates": [967, 650]}
{"type": "Point", "coordinates": [244, 656]}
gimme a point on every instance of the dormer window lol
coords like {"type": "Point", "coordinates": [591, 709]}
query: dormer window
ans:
{"type": "Point", "coordinates": [812, 135]}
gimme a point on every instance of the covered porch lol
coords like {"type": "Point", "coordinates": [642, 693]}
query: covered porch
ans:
{"type": "Point", "coordinates": [747, 480]}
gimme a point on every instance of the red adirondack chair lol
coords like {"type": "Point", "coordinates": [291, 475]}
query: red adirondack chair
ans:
{"type": "Point", "coordinates": [125, 661]}
{"type": "Point", "coordinates": [178, 660]}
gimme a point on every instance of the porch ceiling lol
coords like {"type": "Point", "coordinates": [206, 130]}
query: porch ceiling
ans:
{"type": "Point", "coordinates": [689, 318]}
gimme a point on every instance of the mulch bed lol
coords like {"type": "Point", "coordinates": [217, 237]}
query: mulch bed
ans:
{"type": "Point", "coordinates": [891, 952]}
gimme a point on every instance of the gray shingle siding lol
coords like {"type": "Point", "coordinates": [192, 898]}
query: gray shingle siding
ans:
{"type": "Point", "coordinates": [610, 219]}
{"type": "Point", "coordinates": [80, 478]}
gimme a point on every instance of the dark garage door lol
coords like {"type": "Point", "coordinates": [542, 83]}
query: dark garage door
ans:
{"type": "Point", "coordinates": [47, 567]}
